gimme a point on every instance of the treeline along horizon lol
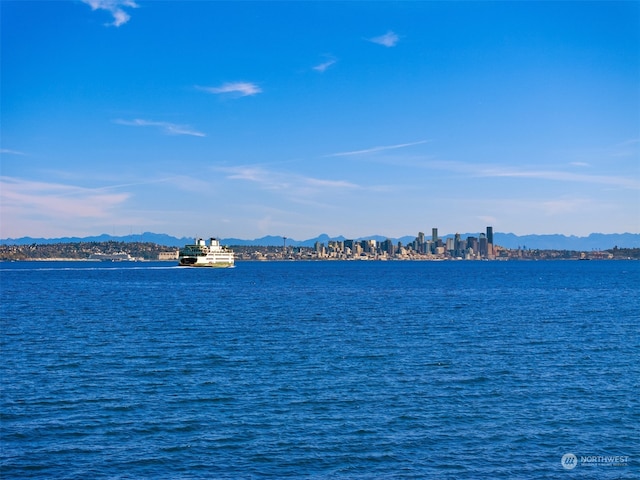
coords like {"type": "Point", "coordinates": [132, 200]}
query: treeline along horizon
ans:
{"type": "Point", "coordinates": [149, 251]}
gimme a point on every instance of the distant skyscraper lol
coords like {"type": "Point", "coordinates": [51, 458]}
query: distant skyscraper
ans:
{"type": "Point", "coordinates": [482, 245]}
{"type": "Point", "coordinates": [434, 240]}
{"type": "Point", "coordinates": [450, 244]}
{"type": "Point", "coordinates": [387, 246]}
{"type": "Point", "coordinates": [456, 245]}
{"type": "Point", "coordinates": [490, 235]}
{"type": "Point", "coordinates": [472, 242]}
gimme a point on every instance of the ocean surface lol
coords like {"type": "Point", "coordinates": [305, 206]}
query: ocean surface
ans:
{"type": "Point", "coordinates": [320, 370]}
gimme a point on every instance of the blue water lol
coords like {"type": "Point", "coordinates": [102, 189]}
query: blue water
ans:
{"type": "Point", "coordinates": [319, 370]}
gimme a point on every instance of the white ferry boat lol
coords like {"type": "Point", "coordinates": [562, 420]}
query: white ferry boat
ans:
{"type": "Point", "coordinates": [202, 255]}
{"type": "Point", "coordinates": [112, 257]}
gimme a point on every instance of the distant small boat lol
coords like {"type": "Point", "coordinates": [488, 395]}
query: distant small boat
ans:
{"type": "Point", "coordinates": [200, 254]}
{"type": "Point", "coordinates": [112, 257]}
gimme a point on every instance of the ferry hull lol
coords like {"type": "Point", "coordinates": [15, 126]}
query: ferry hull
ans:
{"type": "Point", "coordinates": [199, 254]}
{"type": "Point", "coordinates": [205, 264]}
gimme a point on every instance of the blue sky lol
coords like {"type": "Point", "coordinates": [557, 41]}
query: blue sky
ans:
{"type": "Point", "coordinates": [245, 119]}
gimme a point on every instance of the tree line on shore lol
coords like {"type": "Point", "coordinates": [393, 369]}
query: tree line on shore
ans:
{"type": "Point", "coordinates": [150, 251]}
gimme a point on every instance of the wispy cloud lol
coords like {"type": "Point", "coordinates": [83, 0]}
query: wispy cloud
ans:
{"type": "Point", "coordinates": [242, 89]}
{"type": "Point", "coordinates": [25, 199]}
{"type": "Point", "coordinates": [626, 143]}
{"type": "Point", "coordinates": [289, 183]}
{"type": "Point", "coordinates": [6, 151]}
{"type": "Point", "coordinates": [166, 127]}
{"type": "Point", "coordinates": [115, 7]}
{"type": "Point", "coordinates": [252, 174]}
{"type": "Point", "coordinates": [389, 39]}
{"type": "Point", "coordinates": [628, 148]}
{"type": "Point", "coordinates": [376, 149]}
{"type": "Point", "coordinates": [473, 170]}
{"type": "Point", "coordinates": [322, 67]}
{"type": "Point", "coordinates": [316, 182]}
{"type": "Point", "coordinates": [565, 205]}
{"type": "Point", "coordinates": [558, 175]}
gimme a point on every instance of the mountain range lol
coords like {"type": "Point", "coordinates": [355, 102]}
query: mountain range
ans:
{"type": "Point", "coordinates": [595, 241]}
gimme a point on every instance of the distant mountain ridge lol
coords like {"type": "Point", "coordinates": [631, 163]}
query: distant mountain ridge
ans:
{"type": "Point", "coordinates": [595, 241]}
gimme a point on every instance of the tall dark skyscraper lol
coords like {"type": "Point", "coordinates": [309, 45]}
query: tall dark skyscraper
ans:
{"type": "Point", "coordinates": [490, 235]}
{"type": "Point", "coordinates": [434, 235]}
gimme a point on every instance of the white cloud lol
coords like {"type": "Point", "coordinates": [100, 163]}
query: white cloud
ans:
{"type": "Point", "coordinates": [269, 180]}
{"type": "Point", "coordinates": [115, 7]}
{"type": "Point", "coordinates": [529, 212]}
{"type": "Point", "coordinates": [628, 148]}
{"type": "Point", "coordinates": [56, 198]}
{"type": "Point", "coordinates": [492, 171]}
{"type": "Point", "coordinates": [6, 151]}
{"type": "Point", "coordinates": [23, 202]}
{"type": "Point", "coordinates": [565, 205]}
{"type": "Point", "coordinates": [166, 127]}
{"type": "Point", "coordinates": [253, 174]}
{"type": "Point", "coordinates": [316, 182]}
{"type": "Point", "coordinates": [325, 65]}
{"type": "Point", "coordinates": [389, 39]}
{"type": "Point", "coordinates": [626, 143]}
{"type": "Point", "coordinates": [376, 149]}
{"type": "Point", "coordinates": [291, 184]}
{"type": "Point", "coordinates": [243, 89]}
{"type": "Point", "coordinates": [562, 176]}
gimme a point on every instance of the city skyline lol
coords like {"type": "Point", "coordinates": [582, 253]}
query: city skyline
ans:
{"type": "Point", "coordinates": [594, 241]}
{"type": "Point", "coordinates": [471, 247]}
{"type": "Point", "coordinates": [247, 119]}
